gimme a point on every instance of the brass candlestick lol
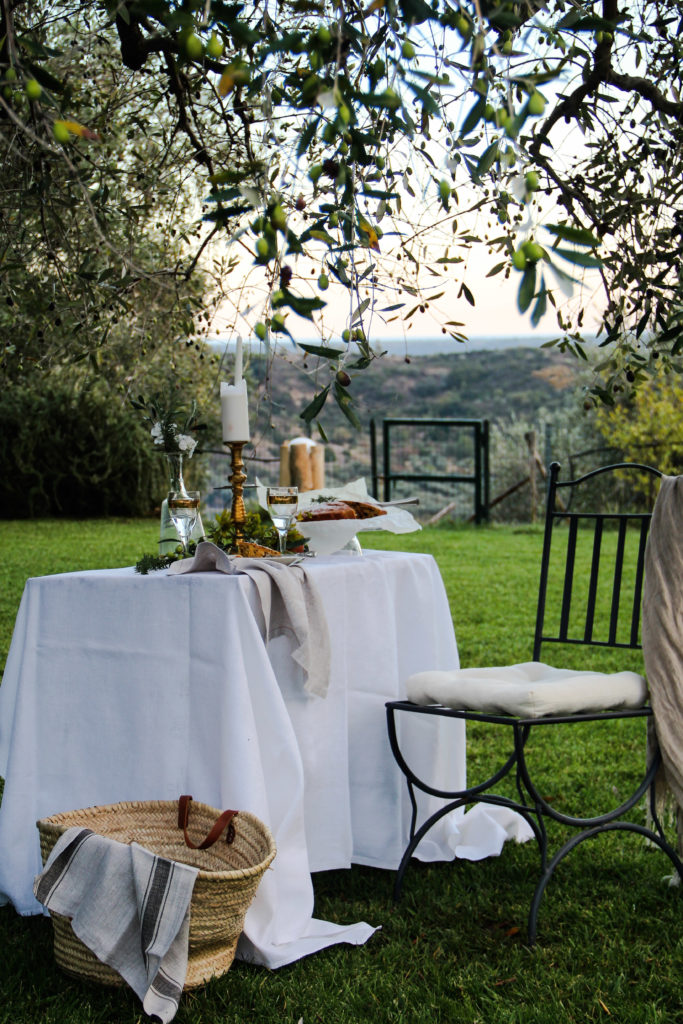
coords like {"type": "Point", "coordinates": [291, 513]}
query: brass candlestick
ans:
{"type": "Point", "coordinates": [238, 513]}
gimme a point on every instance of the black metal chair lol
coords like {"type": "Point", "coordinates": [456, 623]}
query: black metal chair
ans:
{"type": "Point", "coordinates": [615, 553]}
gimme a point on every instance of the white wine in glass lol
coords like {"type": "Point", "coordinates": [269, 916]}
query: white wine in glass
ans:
{"type": "Point", "coordinates": [183, 508]}
{"type": "Point", "coordinates": [283, 503]}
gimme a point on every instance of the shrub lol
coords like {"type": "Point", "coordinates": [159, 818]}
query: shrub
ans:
{"type": "Point", "coordinates": [75, 453]}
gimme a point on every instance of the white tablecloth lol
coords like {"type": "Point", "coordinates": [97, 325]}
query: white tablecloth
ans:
{"type": "Point", "coordinates": [127, 687]}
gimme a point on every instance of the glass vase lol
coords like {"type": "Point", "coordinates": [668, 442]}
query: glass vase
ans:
{"type": "Point", "coordinates": [168, 538]}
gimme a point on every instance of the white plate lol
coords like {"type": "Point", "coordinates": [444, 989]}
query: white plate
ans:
{"type": "Point", "coordinates": [326, 536]}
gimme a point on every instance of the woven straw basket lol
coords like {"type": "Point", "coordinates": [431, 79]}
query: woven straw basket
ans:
{"type": "Point", "coordinates": [229, 874]}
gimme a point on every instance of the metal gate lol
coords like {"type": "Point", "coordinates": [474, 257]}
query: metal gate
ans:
{"type": "Point", "coordinates": [479, 479]}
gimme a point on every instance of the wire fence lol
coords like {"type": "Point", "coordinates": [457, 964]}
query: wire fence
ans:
{"type": "Point", "coordinates": [439, 467]}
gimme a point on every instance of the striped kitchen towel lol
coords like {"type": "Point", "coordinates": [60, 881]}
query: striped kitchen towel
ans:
{"type": "Point", "coordinates": [130, 907]}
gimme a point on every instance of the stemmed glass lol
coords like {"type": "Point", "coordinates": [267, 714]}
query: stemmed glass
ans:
{"type": "Point", "coordinates": [282, 505]}
{"type": "Point", "coordinates": [183, 508]}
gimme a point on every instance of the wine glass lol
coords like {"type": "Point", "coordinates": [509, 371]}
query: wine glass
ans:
{"type": "Point", "coordinates": [282, 505]}
{"type": "Point", "coordinates": [183, 508]}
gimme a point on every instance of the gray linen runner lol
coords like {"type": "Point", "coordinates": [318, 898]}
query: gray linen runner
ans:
{"type": "Point", "coordinates": [290, 602]}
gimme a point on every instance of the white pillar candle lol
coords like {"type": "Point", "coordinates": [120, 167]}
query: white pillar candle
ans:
{"type": "Point", "coordinates": [238, 361]}
{"type": "Point", "coordinates": [235, 411]}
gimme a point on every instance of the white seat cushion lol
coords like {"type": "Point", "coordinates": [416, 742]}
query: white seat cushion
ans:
{"type": "Point", "coordinates": [530, 690]}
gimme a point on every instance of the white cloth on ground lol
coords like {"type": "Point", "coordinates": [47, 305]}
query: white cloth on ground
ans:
{"type": "Point", "coordinates": [129, 906]}
{"type": "Point", "coordinates": [290, 603]}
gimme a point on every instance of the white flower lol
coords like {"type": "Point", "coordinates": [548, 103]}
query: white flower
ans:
{"type": "Point", "coordinates": [186, 444]}
{"type": "Point", "coordinates": [168, 436]}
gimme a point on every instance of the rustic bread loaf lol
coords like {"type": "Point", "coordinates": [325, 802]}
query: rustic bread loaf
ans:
{"type": "Point", "coordinates": [364, 509]}
{"type": "Point", "coordinates": [326, 510]}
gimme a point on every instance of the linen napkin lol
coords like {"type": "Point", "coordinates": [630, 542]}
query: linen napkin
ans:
{"type": "Point", "coordinates": [129, 906]}
{"type": "Point", "coordinates": [291, 605]}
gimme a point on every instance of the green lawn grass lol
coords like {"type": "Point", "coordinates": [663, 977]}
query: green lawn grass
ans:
{"type": "Point", "coordinates": [453, 949]}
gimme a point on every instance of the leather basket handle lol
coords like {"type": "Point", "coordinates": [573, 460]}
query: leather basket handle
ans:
{"type": "Point", "coordinates": [225, 820]}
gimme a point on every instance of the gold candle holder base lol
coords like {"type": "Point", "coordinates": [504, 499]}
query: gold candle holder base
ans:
{"type": "Point", "coordinates": [236, 480]}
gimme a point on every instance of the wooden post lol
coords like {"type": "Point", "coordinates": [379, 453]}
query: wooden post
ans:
{"type": "Point", "coordinates": [530, 438]}
{"type": "Point", "coordinates": [285, 473]}
{"type": "Point", "coordinates": [318, 466]}
{"type": "Point", "coordinates": [302, 464]}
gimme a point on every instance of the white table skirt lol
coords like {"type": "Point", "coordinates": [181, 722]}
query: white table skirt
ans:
{"type": "Point", "coordinates": [127, 687]}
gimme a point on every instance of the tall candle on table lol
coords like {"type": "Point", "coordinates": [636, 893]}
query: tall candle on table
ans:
{"type": "Point", "coordinates": [238, 361]}
{"type": "Point", "coordinates": [235, 403]}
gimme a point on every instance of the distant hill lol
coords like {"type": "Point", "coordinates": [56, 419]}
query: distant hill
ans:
{"type": "Point", "coordinates": [479, 385]}
{"type": "Point", "coordinates": [490, 385]}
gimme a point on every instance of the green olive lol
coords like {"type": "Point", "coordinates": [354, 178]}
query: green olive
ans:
{"type": "Point", "coordinates": [536, 104]}
{"type": "Point", "coordinates": [519, 259]}
{"type": "Point", "coordinates": [194, 47]}
{"type": "Point", "coordinates": [215, 46]}
{"type": "Point", "coordinates": [60, 132]}
{"type": "Point", "coordinates": [33, 89]}
{"type": "Point", "coordinates": [278, 217]}
{"type": "Point", "coordinates": [533, 251]}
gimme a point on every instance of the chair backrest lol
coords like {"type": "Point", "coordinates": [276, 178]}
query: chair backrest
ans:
{"type": "Point", "coordinates": [592, 566]}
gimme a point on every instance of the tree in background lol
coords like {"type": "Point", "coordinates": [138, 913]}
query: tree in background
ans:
{"type": "Point", "coordinates": [98, 279]}
{"type": "Point", "coordinates": [647, 426]}
{"type": "Point", "coordinates": [354, 142]}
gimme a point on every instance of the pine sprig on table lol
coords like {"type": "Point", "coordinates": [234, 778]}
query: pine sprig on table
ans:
{"type": "Point", "coordinates": [258, 529]}
{"type": "Point", "coordinates": [150, 563]}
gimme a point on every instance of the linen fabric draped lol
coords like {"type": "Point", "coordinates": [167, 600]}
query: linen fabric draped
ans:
{"type": "Point", "coordinates": [662, 634]}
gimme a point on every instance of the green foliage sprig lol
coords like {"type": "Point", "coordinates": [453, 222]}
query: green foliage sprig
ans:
{"type": "Point", "coordinates": [258, 529]}
{"type": "Point", "coordinates": [152, 563]}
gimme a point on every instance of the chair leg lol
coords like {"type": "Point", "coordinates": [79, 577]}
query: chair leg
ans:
{"type": "Point", "coordinates": [613, 826]}
{"type": "Point", "coordinates": [534, 808]}
{"type": "Point", "coordinates": [416, 839]}
{"type": "Point", "coordinates": [473, 795]}
{"type": "Point", "coordinates": [534, 821]}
